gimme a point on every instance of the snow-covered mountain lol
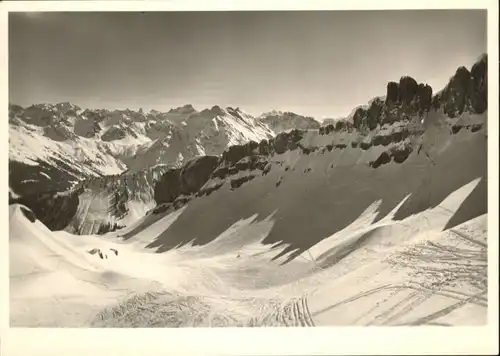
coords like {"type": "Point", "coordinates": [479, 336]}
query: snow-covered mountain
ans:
{"type": "Point", "coordinates": [280, 121]}
{"type": "Point", "coordinates": [98, 168]}
{"type": "Point", "coordinates": [52, 147]}
{"type": "Point", "coordinates": [199, 133]}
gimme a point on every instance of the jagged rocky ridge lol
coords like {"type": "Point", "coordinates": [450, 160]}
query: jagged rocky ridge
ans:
{"type": "Point", "coordinates": [53, 147]}
{"type": "Point", "coordinates": [389, 131]}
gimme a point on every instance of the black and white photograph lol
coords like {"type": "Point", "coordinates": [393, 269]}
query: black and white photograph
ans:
{"type": "Point", "coordinates": [181, 169]}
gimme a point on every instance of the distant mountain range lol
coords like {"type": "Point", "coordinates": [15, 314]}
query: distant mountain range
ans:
{"type": "Point", "coordinates": [52, 147]}
{"type": "Point", "coordinates": [88, 171]}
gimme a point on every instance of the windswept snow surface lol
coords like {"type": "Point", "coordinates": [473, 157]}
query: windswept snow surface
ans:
{"type": "Point", "coordinates": [388, 272]}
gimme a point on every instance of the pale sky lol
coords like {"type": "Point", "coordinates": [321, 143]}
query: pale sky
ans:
{"type": "Point", "coordinates": [318, 63]}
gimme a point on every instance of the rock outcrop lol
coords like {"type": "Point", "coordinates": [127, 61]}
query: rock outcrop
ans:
{"type": "Point", "coordinates": [29, 214]}
{"type": "Point", "coordinates": [397, 154]}
{"type": "Point", "coordinates": [403, 100]}
{"type": "Point", "coordinates": [337, 126]}
{"type": "Point", "coordinates": [478, 97]}
{"type": "Point", "coordinates": [209, 173]}
{"type": "Point", "coordinates": [407, 99]}
{"type": "Point", "coordinates": [53, 210]}
{"type": "Point", "coordinates": [286, 141]}
{"type": "Point", "coordinates": [466, 91]}
{"type": "Point", "coordinates": [186, 180]}
{"type": "Point", "coordinates": [196, 172]}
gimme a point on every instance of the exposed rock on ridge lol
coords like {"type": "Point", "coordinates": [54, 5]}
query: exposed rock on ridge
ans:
{"type": "Point", "coordinates": [186, 180]}
{"type": "Point", "coordinates": [180, 185]}
{"type": "Point", "coordinates": [466, 91]}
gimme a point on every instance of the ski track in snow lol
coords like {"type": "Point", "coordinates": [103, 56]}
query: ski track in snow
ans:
{"type": "Point", "coordinates": [411, 273]}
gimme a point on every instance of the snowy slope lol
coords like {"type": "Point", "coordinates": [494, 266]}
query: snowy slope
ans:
{"type": "Point", "coordinates": [28, 145]}
{"type": "Point", "coordinates": [372, 286]}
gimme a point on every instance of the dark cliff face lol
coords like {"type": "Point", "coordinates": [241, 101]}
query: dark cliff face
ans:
{"type": "Point", "coordinates": [186, 180]}
{"type": "Point", "coordinates": [53, 210]}
{"type": "Point", "coordinates": [58, 208]}
{"type": "Point", "coordinates": [408, 95]}
{"type": "Point", "coordinates": [403, 100]}
{"type": "Point", "coordinates": [479, 95]}
{"type": "Point", "coordinates": [44, 177]}
{"type": "Point", "coordinates": [466, 91]}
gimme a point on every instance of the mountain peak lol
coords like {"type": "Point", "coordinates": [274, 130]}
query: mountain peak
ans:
{"type": "Point", "coordinates": [466, 90]}
{"type": "Point", "coordinates": [217, 110]}
{"type": "Point", "coordinates": [186, 109]}
{"type": "Point", "coordinates": [231, 109]}
{"type": "Point", "coordinates": [280, 121]}
{"type": "Point", "coordinates": [271, 113]}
